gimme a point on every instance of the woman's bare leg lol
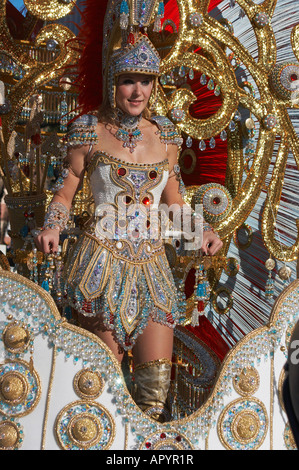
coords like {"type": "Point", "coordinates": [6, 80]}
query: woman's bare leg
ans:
{"type": "Point", "coordinates": [156, 342]}
{"type": "Point", "coordinates": [93, 325]}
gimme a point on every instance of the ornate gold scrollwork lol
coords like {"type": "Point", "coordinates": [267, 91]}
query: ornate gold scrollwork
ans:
{"type": "Point", "coordinates": [39, 73]}
{"type": "Point", "coordinates": [49, 10]}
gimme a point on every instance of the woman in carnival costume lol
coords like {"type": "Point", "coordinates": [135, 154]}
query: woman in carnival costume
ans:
{"type": "Point", "coordinates": [117, 277]}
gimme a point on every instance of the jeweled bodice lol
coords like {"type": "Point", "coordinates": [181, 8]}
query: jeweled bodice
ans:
{"type": "Point", "coordinates": [127, 196]}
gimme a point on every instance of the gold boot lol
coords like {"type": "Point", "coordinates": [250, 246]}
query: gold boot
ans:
{"type": "Point", "coordinates": [151, 385]}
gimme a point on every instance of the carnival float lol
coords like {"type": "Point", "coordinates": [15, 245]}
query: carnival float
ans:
{"type": "Point", "coordinates": [230, 83]}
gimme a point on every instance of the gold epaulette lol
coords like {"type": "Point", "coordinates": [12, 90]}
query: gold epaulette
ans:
{"type": "Point", "coordinates": [82, 131]}
{"type": "Point", "coordinates": [168, 131]}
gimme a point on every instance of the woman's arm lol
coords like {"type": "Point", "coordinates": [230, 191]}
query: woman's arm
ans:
{"type": "Point", "coordinates": [58, 212]}
{"type": "Point", "coordinates": [172, 194]}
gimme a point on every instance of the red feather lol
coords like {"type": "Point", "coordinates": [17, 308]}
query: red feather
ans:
{"type": "Point", "coordinates": [90, 80]}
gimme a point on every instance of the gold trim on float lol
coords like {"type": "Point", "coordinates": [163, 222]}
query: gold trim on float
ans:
{"type": "Point", "coordinates": [235, 349]}
{"type": "Point", "coordinates": [46, 414]}
{"type": "Point", "coordinates": [222, 371]}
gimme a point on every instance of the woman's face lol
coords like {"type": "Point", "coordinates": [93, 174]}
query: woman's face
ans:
{"type": "Point", "coordinates": [133, 91]}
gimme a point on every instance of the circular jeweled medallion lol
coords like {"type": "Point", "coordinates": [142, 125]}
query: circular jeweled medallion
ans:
{"type": "Point", "coordinates": [166, 440]}
{"type": "Point", "coordinates": [216, 201]}
{"type": "Point", "coordinates": [284, 79]}
{"type": "Point", "coordinates": [243, 424]}
{"type": "Point", "coordinates": [11, 434]}
{"type": "Point", "coordinates": [82, 425]}
{"type": "Point", "coordinates": [19, 389]}
{"type": "Point", "coordinates": [270, 121]}
{"type": "Point", "coordinates": [261, 19]}
{"type": "Point", "coordinates": [177, 114]}
{"type": "Point", "coordinates": [15, 338]}
{"type": "Point", "coordinates": [247, 382]}
{"type": "Point", "coordinates": [88, 384]}
{"type": "Point", "coordinates": [195, 19]}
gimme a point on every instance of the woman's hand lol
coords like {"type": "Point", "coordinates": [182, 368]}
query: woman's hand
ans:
{"type": "Point", "coordinates": [211, 244]}
{"type": "Point", "coordinates": [47, 241]}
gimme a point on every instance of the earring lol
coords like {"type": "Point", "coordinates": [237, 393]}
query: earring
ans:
{"type": "Point", "coordinates": [155, 98]}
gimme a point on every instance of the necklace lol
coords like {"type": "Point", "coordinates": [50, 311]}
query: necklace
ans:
{"type": "Point", "coordinates": [128, 131]}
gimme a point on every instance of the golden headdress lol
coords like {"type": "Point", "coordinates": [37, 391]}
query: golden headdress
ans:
{"type": "Point", "coordinates": [115, 43]}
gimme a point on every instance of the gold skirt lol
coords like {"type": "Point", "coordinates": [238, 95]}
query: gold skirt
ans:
{"type": "Point", "coordinates": [125, 292]}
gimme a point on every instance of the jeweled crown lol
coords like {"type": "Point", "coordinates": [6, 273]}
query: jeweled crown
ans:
{"type": "Point", "coordinates": [126, 47]}
{"type": "Point", "coordinates": [138, 57]}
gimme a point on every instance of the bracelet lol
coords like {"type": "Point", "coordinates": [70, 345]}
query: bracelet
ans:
{"type": "Point", "coordinates": [56, 217]}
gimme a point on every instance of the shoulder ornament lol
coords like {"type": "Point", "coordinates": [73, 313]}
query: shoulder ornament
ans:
{"type": "Point", "coordinates": [82, 131]}
{"type": "Point", "coordinates": [168, 131]}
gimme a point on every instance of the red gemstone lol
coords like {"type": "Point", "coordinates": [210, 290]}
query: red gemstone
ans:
{"type": "Point", "coordinates": [148, 223]}
{"type": "Point", "coordinates": [146, 200]}
{"type": "Point", "coordinates": [178, 438]}
{"type": "Point", "coordinates": [128, 199]}
{"type": "Point", "coordinates": [121, 171]}
{"type": "Point", "coordinates": [153, 175]}
{"type": "Point", "coordinates": [131, 38]}
{"type": "Point", "coordinates": [200, 306]}
{"type": "Point", "coordinates": [163, 435]}
{"type": "Point", "coordinates": [294, 77]}
{"type": "Point", "coordinates": [148, 445]}
{"type": "Point", "coordinates": [216, 200]}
